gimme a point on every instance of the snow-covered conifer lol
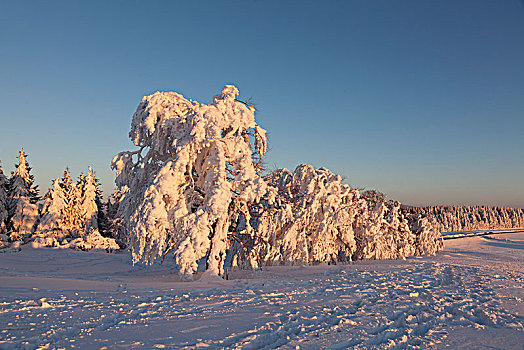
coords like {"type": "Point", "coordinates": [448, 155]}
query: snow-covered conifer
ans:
{"type": "Point", "coordinates": [114, 226]}
{"type": "Point", "coordinates": [23, 210]}
{"type": "Point", "coordinates": [91, 201]}
{"type": "Point", "coordinates": [81, 182]}
{"type": "Point", "coordinates": [54, 209]}
{"type": "Point", "coordinates": [176, 189]}
{"type": "Point", "coordinates": [21, 183]}
{"type": "Point", "coordinates": [4, 200]}
{"type": "Point", "coordinates": [72, 220]}
{"type": "Point", "coordinates": [69, 217]}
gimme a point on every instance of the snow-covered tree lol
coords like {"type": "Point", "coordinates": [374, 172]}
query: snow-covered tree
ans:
{"type": "Point", "coordinates": [74, 209]}
{"type": "Point", "coordinates": [114, 226]}
{"type": "Point", "coordinates": [372, 232]}
{"type": "Point", "coordinates": [23, 210]}
{"type": "Point", "coordinates": [193, 188]}
{"type": "Point", "coordinates": [81, 182]}
{"type": "Point", "coordinates": [22, 181]}
{"type": "Point", "coordinates": [428, 238]}
{"type": "Point", "coordinates": [24, 217]}
{"type": "Point", "coordinates": [72, 220]}
{"type": "Point", "coordinates": [90, 201]}
{"type": "Point", "coordinates": [193, 161]}
{"type": "Point", "coordinates": [308, 217]}
{"type": "Point", "coordinates": [402, 238]}
{"type": "Point", "coordinates": [4, 200]}
{"type": "Point", "coordinates": [69, 215]}
{"type": "Point", "coordinates": [54, 209]}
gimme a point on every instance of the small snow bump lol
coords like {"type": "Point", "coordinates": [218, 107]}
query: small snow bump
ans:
{"type": "Point", "coordinates": [44, 304]}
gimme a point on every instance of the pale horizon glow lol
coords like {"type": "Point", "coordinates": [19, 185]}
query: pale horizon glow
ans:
{"type": "Point", "coordinates": [419, 100]}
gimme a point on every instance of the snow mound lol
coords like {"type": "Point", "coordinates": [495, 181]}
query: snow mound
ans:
{"type": "Point", "coordinates": [93, 240]}
{"type": "Point", "coordinates": [9, 247]}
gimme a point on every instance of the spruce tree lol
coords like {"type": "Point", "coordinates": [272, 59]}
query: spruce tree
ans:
{"type": "Point", "coordinates": [102, 207]}
{"type": "Point", "coordinates": [72, 220]}
{"type": "Point", "coordinates": [22, 181]}
{"type": "Point", "coordinates": [112, 204]}
{"type": "Point", "coordinates": [91, 201]}
{"type": "Point", "coordinates": [4, 200]}
{"type": "Point", "coordinates": [54, 209]}
{"type": "Point", "coordinates": [113, 224]}
{"type": "Point", "coordinates": [23, 211]}
{"type": "Point", "coordinates": [81, 183]}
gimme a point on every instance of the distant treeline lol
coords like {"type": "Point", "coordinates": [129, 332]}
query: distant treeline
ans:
{"type": "Point", "coordinates": [460, 218]}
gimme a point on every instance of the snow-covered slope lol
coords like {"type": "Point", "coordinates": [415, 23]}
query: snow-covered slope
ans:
{"type": "Point", "coordinates": [467, 296]}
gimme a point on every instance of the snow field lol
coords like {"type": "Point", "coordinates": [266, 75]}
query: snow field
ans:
{"type": "Point", "coordinates": [64, 299]}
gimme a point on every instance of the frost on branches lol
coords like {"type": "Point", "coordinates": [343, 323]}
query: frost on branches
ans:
{"type": "Point", "coordinates": [194, 160]}
{"type": "Point", "coordinates": [382, 231]}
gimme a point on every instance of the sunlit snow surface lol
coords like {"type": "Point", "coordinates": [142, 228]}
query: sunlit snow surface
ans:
{"type": "Point", "coordinates": [468, 296]}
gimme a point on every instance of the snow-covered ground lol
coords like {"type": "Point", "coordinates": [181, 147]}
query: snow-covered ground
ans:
{"type": "Point", "coordinates": [468, 296]}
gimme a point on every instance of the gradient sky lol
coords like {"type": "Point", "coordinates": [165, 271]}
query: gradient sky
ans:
{"type": "Point", "coordinates": [422, 100]}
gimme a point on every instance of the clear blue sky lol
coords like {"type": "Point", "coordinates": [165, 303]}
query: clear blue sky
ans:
{"type": "Point", "coordinates": [422, 100]}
